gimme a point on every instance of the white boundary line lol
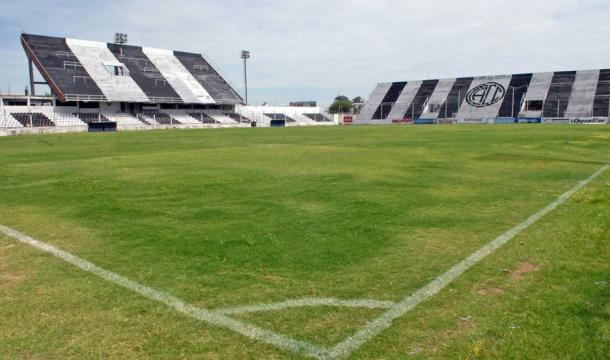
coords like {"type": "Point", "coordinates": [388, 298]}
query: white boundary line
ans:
{"type": "Point", "coordinates": [346, 347]}
{"type": "Point", "coordinates": [307, 302]}
{"type": "Point", "coordinates": [173, 302]}
{"type": "Point", "coordinates": [384, 321]}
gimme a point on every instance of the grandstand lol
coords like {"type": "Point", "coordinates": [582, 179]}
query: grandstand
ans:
{"type": "Point", "coordinates": [133, 87]}
{"type": "Point", "coordinates": [553, 97]}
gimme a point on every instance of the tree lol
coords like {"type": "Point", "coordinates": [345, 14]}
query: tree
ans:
{"type": "Point", "coordinates": [358, 100]}
{"type": "Point", "coordinates": [341, 104]}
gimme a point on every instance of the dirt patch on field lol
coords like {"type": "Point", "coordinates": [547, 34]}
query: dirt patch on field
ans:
{"type": "Point", "coordinates": [523, 269]}
{"type": "Point", "coordinates": [466, 325]}
{"type": "Point", "coordinates": [10, 279]}
{"type": "Point", "coordinates": [490, 291]}
{"type": "Point", "coordinates": [272, 278]}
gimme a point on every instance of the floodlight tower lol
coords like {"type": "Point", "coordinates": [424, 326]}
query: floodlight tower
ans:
{"type": "Point", "coordinates": [121, 39]}
{"type": "Point", "coordinates": [245, 54]}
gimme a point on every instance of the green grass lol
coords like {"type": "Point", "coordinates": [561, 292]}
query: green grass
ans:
{"type": "Point", "coordinates": [234, 217]}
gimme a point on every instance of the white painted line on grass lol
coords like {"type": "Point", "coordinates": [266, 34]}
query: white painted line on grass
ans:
{"type": "Point", "coordinates": [358, 303]}
{"type": "Point", "coordinates": [378, 325]}
{"type": "Point", "coordinates": [173, 302]}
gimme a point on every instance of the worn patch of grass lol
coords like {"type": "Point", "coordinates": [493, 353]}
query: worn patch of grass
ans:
{"type": "Point", "coordinates": [241, 216]}
{"type": "Point", "coordinates": [324, 326]}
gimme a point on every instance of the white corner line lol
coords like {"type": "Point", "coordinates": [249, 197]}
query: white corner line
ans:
{"type": "Point", "coordinates": [211, 317]}
{"type": "Point", "coordinates": [375, 327]}
{"type": "Point", "coordinates": [307, 302]}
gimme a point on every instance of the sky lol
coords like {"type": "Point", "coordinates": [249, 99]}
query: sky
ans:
{"type": "Point", "coordinates": [316, 50]}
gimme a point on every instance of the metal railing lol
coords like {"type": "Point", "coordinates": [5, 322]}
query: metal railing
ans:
{"type": "Point", "coordinates": [80, 97]}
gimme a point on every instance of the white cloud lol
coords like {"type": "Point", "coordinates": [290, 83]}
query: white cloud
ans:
{"type": "Point", "coordinates": [316, 49]}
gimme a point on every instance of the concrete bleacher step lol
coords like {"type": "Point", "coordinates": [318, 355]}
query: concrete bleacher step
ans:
{"type": "Point", "coordinates": [238, 118]}
{"type": "Point", "coordinates": [33, 119]}
{"type": "Point", "coordinates": [64, 119]}
{"type": "Point", "coordinates": [8, 121]}
{"type": "Point", "coordinates": [203, 118]}
{"type": "Point", "coordinates": [303, 119]}
{"type": "Point", "coordinates": [222, 118]}
{"type": "Point", "coordinates": [280, 116]}
{"type": "Point", "coordinates": [123, 119]}
{"type": "Point", "coordinates": [184, 119]}
{"type": "Point", "coordinates": [92, 118]}
{"type": "Point", "coordinates": [318, 118]}
{"type": "Point", "coordinates": [146, 119]}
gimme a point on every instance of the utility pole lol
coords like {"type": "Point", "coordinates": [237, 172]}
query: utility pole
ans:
{"type": "Point", "coordinates": [245, 54]}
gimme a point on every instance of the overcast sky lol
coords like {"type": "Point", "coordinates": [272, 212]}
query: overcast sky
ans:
{"type": "Point", "coordinates": [316, 49]}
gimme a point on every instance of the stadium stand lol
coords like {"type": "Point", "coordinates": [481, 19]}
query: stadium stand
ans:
{"type": "Point", "coordinates": [455, 98]}
{"type": "Point", "coordinates": [582, 94]}
{"type": "Point", "coordinates": [32, 119]}
{"type": "Point", "coordinates": [421, 97]}
{"type": "Point", "coordinates": [214, 84]}
{"type": "Point", "coordinates": [385, 107]}
{"type": "Point", "coordinates": [146, 120]}
{"type": "Point", "coordinates": [369, 110]}
{"type": "Point", "coordinates": [134, 87]}
{"type": "Point", "coordinates": [203, 118]}
{"type": "Point", "coordinates": [581, 97]}
{"type": "Point", "coordinates": [533, 102]}
{"type": "Point", "coordinates": [61, 69]}
{"type": "Point", "coordinates": [601, 104]}
{"type": "Point", "coordinates": [96, 83]}
{"type": "Point", "coordinates": [238, 118]}
{"type": "Point", "coordinates": [62, 119]}
{"type": "Point", "coordinates": [484, 98]}
{"type": "Point", "coordinates": [556, 101]}
{"type": "Point", "coordinates": [435, 101]}
{"type": "Point", "coordinates": [318, 117]}
{"type": "Point", "coordinates": [511, 105]}
{"type": "Point", "coordinates": [283, 117]}
{"type": "Point", "coordinates": [221, 117]}
{"type": "Point", "coordinates": [109, 74]}
{"type": "Point", "coordinates": [190, 89]}
{"type": "Point", "coordinates": [89, 118]}
{"type": "Point", "coordinates": [404, 100]}
{"type": "Point", "coordinates": [7, 121]}
{"type": "Point", "coordinates": [145, 73]}
{"type": "Point", "coordinates": [94, 71]}
{"type": "Point", "coordinates": [159, 118]}
{"type": "Point", "coordinates": [183, 118]}
{"type": "Point", "coordinates": [126, 120]}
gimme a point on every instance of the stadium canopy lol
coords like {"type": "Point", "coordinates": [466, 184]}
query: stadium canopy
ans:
{"type": "Point", "coordinates": [80, 70]}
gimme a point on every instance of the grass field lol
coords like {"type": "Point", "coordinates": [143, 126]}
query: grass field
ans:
{"type": "Point", "coordinates": [236, 217]}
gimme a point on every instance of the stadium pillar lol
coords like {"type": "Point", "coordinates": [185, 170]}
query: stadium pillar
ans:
{"type": "Point", "coordinates": [512, 106]}
{"type": "Point", "coordinates": [32, 87]}
{"type": "Point", "coordinates": [413, 110]}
